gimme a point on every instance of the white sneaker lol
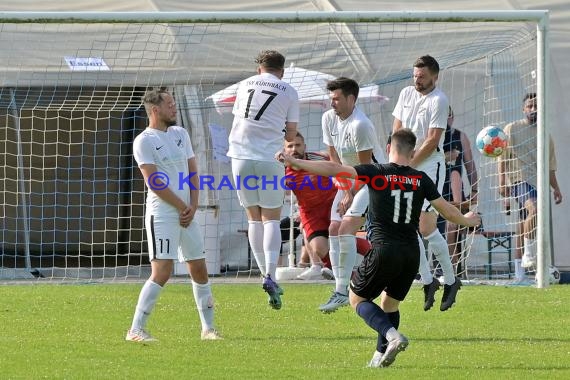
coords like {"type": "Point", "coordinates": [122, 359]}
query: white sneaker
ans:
{"type": "Point", "coordinates": [327, 273]}
{"type": "Point", "coordinates": [211, 334]}
{"type": "Point", "coordinates": [336, 301]}
{"type": "Point", "coordinates": [139, 335]}
{"type": "Point", "coordinates": [395, 346]}
{"type": "Point", "coordinates": [312, 273]}
{"type": "Point", "coordinates": [375, 361]}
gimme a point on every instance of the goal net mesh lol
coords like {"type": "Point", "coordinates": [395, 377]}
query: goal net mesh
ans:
{"type": "Point", "coordinates": [72, 196]}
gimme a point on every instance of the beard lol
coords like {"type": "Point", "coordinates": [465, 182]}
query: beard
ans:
{"type": "Point", "coordinates": [531, 117]}
{"type": "Point", "coordinates": [170, 123]}
{"type": "Point", "coordinates": [298, 155]}
{"type": "Point", "coordinates": [424, 87]}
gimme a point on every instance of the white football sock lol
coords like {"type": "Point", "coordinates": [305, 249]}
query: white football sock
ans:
{"type": "Point", "coordinates": [334, 254]}
{"type": "Point", "coordinates": [424, 268]}
{"type": "Point", "coordinates": [147, 299]}
{"type": "Point", "coordinates": [519, 270]}
{"type": "Point", "coordinates": [271, 246]}
{"type": "Point", "coordinates": [438, 246]}
{"type": "Point", "coordinates": [204, 303]}
{"type": "Point", "coordinates": [255, 237]}
{"type": "Point", "coordinates": [530, 258]}
{"type": "Point", "coordinates": [347, 258]}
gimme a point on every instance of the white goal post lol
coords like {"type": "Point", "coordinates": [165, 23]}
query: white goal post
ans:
{"type": "Point", "coordinates": [71, 82]}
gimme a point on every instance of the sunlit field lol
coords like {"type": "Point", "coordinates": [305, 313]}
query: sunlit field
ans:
{"type": "Point", "coordinates": [77, 331]}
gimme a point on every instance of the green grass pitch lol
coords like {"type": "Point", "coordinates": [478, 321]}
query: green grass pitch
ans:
{"type": "Point", "coordinates": [77, 331]}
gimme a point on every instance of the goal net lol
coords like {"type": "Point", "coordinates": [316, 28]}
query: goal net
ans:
{"type": "Point", "coordinates": [71, 83]}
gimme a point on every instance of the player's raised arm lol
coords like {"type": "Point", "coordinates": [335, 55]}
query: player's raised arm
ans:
{"type": "Point", "coordinates": [451, 213]}
{"type": "Point", "coordinates": [324, 168]}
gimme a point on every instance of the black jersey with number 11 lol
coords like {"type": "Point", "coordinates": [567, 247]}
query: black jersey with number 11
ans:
{"type": "Point", "coordinates": [396, 195]}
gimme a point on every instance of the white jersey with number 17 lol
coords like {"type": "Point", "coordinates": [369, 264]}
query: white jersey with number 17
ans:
{"type": "Point", "coordinates": [264, 103]}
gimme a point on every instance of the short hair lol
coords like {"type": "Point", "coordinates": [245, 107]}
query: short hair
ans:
{"type": "Point", "coordinates": [529, 96]}
{"type": "Point", "coordinates": [429, 62]}
{"type": "Point", "coordinates": [346, 85]}
{"type": "Point", "coordinates": [403, 140]}
{"type": "Point", "coordinates": [299, 135]}
{"type": "Point", "coordinates": [153, 98]}
{"type": "Point", "coordinates": [270, 59]}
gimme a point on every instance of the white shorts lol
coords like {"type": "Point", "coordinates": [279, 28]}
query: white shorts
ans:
{"type": "Point", "coordinates": [359, 205]}
{"type": "Point", "coordinates": [259, 183]}
{"type": "Point", "coordinates": [170, 241]}
{"type": "Point", "coordinates": [434, 167]}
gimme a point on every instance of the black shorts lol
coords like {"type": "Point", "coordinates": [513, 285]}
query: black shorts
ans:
{"type": "Point", "coordinates": [391, 267]}
{"type": "Point", "coordinates": [324, 233]}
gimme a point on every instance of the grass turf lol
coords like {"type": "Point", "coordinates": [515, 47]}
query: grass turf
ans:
{"type": "Point", "coordinates": [77, 332]}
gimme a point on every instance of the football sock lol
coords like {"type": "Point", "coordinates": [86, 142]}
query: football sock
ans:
{"type": "Point", "coordinates": [255, 237]}
{"type": "Point", "coordinates": [519, 270]}
{"type": "Point", "coordinates": [424, 268]}
{"type": "Point", "coordinates": [347, 258]}
{"type": "Point", "coordinates": [271, 245]}
{"type": "Point", "coordinates": [334, 255]}
{"type": "Point", "coordinates": [438, 246]}
{"type": "Point", "coordinates": [204, 303]}
{"type": "Point", "coordinates": [530, 248]}
{"type": "Point", "coordinates": [394, 318]}
{"type": "Point", "coordinates": [374, 317]}
{"type": "Point", "coordinates": [147, 299]}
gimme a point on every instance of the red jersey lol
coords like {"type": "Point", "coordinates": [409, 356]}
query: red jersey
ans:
{"type": "Point", "coordinates": [312, 190]}
{"type": "Point", "coordinates": [315, 195]}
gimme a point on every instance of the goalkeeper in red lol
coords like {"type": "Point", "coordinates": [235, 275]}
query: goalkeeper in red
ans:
{"type": "Point", "coordinates": [163, 153]}
{"type": "Point", "coordinates": [315, 195]}
{"type": "Point", "coordinates": [397, 193]}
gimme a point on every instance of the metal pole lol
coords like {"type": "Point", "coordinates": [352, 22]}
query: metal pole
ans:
{"type": "Point", "coordinates": [542, 164]}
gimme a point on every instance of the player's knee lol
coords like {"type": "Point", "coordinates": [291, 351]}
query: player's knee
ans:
{"type": "Point", "coordinates": [349, 226]}
{"type": "Point", "coordinates": [333, 228]}
{"type": "Point", "coordinates": [353, 299]}
{"type": "Point", "coordinates": [530, 206]}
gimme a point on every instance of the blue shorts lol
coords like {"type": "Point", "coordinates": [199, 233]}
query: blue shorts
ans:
{"type": "Point", "coordinates": [521, 192]}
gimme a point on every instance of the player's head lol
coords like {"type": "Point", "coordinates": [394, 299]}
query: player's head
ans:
{"type": "Point", "coordinates": [403, 142]}
{"type": "Point", "coordinates": [426, 71]}
{"type": "Point", "coordinates": [297, 147]}
{"type": "Point", "coordinates": [270, 61]}
{"type": "Point", "coordinates": [530, 107]}
{"type": "Point", "coordinates": [160, 107]}
{"type": "Point", "coordinates": [343, 93]}
{"type": "Point", "coordinates": [450, 117]}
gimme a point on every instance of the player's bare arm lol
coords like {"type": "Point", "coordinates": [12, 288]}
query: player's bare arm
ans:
{"type": "Point", "coordinates": [365, 156]}
{"type": "Point", "coordinates": [396, 125]}
{"type": "Point", "coordinates": [324, 168]}
{"type": "Point", "coordinates": [187, 215]}
{"type": "Point", "coordinates": [290, 131]}
{"type": "Point", "coordinates": [502, 167]}
{"type": "Point", "coordinates": [451, 213]}
{"type": "Point", "coordinates": [556, 189]}
{"type": "Point", "coordinates": [469, 163]}
{"type": "Point", "coordinates": [427, 148]}
{"type": "Point", "coordinates": [333, 154]}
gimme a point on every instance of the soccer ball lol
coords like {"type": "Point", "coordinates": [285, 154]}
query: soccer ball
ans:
{"type": "Point", "coordinates": [553, 275]}
{"type": "Point", "coordinates": [491, 141]}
